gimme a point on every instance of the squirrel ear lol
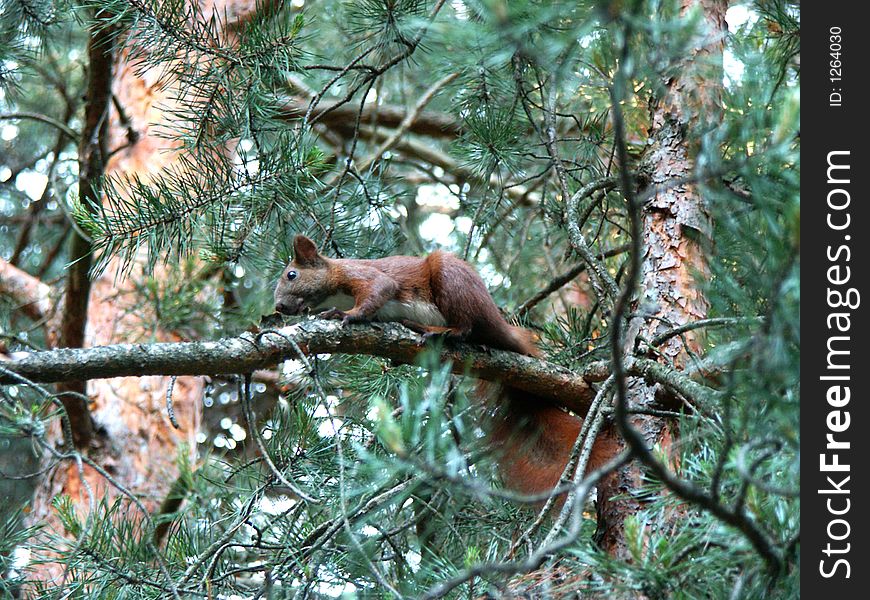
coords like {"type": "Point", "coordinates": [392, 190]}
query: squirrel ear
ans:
{"type": "Point", "coordinates": [304, 251]}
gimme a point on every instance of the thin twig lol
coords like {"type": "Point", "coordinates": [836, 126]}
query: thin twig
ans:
{"type": "Point", "coordinates": [62, 127]}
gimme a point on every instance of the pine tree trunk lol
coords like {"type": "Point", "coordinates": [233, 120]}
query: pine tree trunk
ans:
{"type": "Point", "coordinates": [676, 231]}
{"type": "Point", "coordinates": [132, 437]}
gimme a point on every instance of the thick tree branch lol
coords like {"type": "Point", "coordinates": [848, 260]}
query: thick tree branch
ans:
{"type": "Point", "coordinates": [249, 352]}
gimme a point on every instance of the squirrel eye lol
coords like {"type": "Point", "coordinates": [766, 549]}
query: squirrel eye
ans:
{"type": "Point", "coordinates": [291, 275]}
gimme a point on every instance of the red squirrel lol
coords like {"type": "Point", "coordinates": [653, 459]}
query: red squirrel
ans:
{"type": "Point", "coordinates": [443, 295]}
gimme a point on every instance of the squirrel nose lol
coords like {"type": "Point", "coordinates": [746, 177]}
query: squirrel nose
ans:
{"type": "Point", "coordinates": [283, 308]}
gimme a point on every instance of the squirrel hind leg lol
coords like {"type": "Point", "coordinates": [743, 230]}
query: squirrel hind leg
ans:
{"type": "Point", "coordinates": [428, 331]}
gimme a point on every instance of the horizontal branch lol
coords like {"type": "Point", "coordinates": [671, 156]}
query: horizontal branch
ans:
{"type": "Point", "coordinates": [343, 117]}
{"type": "Point", "coordinates": [250, 351]}
{"type": "Point", "coordinates": [676, 381]}
{"type": "Point", "coordinates": [692, 325]}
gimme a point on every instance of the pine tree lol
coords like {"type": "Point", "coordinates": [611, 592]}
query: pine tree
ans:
{"type": "Point", "coordinates": [625, 177]}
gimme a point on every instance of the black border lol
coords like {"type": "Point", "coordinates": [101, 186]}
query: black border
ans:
{"type": "Point", "coordinates": [827, 128]}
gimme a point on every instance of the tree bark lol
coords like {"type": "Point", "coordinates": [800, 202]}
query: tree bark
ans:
{"type": "Point", "coordinates": [131, 437]}
{"type": "Point", "coordinates": [250, 352]}
{"type": "Point", "coordinates": [93, 153]}
{"type": "Point", "coordinates": [676, 231]}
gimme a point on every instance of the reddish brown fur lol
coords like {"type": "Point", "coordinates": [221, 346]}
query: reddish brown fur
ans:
{"type": "Point", "coordinates": [537, 438]}
{"type": "Point", "coordinates": [534, 436]}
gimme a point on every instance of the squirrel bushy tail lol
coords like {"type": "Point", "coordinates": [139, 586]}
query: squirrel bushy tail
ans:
{"type": "Point", "coordinates": [534, 439]}
{"type": "Point", "coordinates": [534, 436]}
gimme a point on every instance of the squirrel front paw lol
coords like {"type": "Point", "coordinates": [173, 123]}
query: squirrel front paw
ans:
{"type": "Point", "coordinates": [333, 314]}
{"type": "Point", "coordinates": [351, 317]}
{"type": "Point", "coordinates": [346, 317]}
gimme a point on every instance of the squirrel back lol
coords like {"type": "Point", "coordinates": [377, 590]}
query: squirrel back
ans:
{"type": "Point", "coordinates": [466, 304]}
{"type": "Point", "coordinates": [440, 294]}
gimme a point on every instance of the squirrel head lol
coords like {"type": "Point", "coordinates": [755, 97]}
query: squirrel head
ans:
{"type": "Point", "coordinates": [305, 282]}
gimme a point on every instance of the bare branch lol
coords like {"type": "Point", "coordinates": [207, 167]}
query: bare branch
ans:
{"type": "Point", "coordinates": [32, 116]}
{"type": "Point", "coordinates": [434, 157]}
{"type": "Point", "coordinates": [249, 352]}
{"type": "Point", "coordinates": [342, 117]}
{"type": "Point", "coordinates": [93, 154]}
{"type": "Point", "coordinates": [408, 122]}
{"type": "Point", "coordinates": [601, 279]}
{"type": "Point", "coordinates": [715, 322]}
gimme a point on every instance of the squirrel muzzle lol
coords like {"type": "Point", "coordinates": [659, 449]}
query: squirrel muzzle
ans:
{"type": "Point", "coordinates": [289, 305]}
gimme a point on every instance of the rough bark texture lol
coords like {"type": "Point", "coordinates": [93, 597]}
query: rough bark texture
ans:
{"type": "Point", "coordinates": [676, 229]}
